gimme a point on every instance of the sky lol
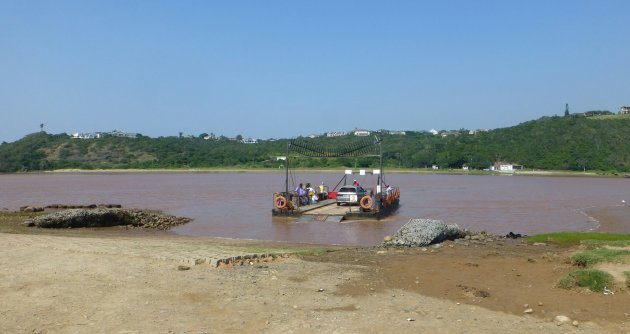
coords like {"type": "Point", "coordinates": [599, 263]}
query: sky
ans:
{"type": "Point", "coordinates": [282, 69]}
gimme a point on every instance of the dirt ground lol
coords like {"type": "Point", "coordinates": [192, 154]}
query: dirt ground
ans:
{"type": "Point", "coordinates": [103, 282]}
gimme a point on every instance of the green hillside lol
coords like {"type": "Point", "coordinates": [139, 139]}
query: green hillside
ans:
{"type": "Point", "coordinates": [553, 143]}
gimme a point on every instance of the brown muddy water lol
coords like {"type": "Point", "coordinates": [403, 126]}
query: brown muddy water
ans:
{"type": "Point", "coordinates": [238, 204]}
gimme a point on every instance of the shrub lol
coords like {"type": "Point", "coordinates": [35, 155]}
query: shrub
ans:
{"type": "Point", "coordinates": [597, 255]}
{"type": "Point", "coordinates": [593, 279]}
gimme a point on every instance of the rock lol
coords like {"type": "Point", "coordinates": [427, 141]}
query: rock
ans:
{"type": "Point", "coordinates": [528, 311]}
{"type": "Point", "coordinates": [561, 319]}
{"type": "Point", "coordinates": [387, 238]}
{"type": "Point", "coordinates": [74, 218]}
{"type": "Point", "coordinates": [183, 268]}
{"type": "Point", "coordinates": [575, 323]}
{"type": "Point", "coordinates": [424, 232]}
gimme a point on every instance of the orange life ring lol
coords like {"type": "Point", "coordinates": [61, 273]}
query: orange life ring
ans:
{"type": "Point", "coordinates": [366, 202]}
{"type": "Point", "coordinates": [280, 202]}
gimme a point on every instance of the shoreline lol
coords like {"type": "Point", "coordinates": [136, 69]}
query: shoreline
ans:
{"type": "Point", "coordinates": [550, 173]}
{"type": "Point", "coordinates": [611, 219]}
{"type": "Point", "coordinates": [165, 283]}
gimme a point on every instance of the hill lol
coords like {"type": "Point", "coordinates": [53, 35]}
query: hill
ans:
{"type": "Point", "coordinates": [553, 143]}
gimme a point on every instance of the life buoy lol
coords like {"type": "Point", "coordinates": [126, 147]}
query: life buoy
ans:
{"type": "Point", "coordinates": [280, 202]}
{"type": "Point", "coordinates": [366, 202]}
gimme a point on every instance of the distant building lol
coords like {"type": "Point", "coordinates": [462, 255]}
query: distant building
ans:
{"type": "Point", "coordinates": [400, 133]}
{"type": "Point", "coordinates": [250, 141]}
{"type": "Point", "coordinates": [336, 134]}
{"type": "Point", "coordinates": [361, 133]}
{"type": "Point", "coordinates": [506, 166]}
{"type": "Point", "coordinates": [86, 135]}
{"type": "Point", "coordinates": [117, 133]}
{"type": "Point", "coordinates": [434, 131]}
{"type": "Point", "coordinates": [624, 110]}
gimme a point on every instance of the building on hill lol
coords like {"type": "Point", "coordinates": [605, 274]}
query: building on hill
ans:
{"type": "Point", "coordinates": [624, 110]}
{"type": "Point", "coordinates": [361, 132]}
{"type": "Point", "coordinates": [117, 133]}
{"type": "Point", "coordinates": [86, 135]}
{"type": "Point", "coordinates": [336, 134]}
{"type": "Point", "coordinates": [508, 167]}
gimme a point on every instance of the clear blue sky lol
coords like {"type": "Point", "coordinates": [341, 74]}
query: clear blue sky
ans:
{"type": "Point", "coordinates": [279, 69]}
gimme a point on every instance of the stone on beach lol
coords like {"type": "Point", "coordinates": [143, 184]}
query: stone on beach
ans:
{"type": "Point", "coordinates": [75, 218]}
{"type": "Point", "coordinates": [424, 232]}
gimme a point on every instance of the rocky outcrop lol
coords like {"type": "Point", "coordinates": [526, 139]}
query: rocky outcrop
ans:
{"type": "Point", "coordinates": [424, 232]}
{"type": "Point", "coordinates": [103, 217]}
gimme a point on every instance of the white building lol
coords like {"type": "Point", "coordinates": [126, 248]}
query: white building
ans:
{"type": "Point", "coordinates": [86, 135]}
{"type": "Point", "coordinates": [336, 134]}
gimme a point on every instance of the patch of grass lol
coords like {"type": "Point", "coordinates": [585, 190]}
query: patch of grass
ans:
{"type": "Point", "coordinates": [598, 255]}
{"type": "Point", "coordinates": [615, 243]}
{"type": "Point", "coordinates": [311, 252]}
{"type": "Point", "coordinates": [593, 279]}
{"type": "Point", "coordinates": [627, 273]}
{"type": "Point", "coordinates": [10, 221]}
{"type": "Point", "coordinates": [576, 238]}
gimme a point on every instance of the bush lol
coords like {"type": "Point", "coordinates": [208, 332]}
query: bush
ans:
{"type": "Point", "coordinates": [593, 279]}
{"type": "Point", "coordinates": [597, 255]}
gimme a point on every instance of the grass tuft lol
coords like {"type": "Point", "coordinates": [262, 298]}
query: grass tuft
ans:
{"type": "Point", "coordinates": [593, 279]}
{"type": "Point", "coordinates": [577, 238]}
{"type": "Point", "coordinates": [627, 273]}
{"type": "Point", "coordinates": [598, 255]}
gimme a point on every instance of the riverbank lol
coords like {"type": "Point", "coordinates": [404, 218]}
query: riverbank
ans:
{"type": "Point", "coordinates": [341, 168]}
{"type": "Point", "coordinates": [156, 283]}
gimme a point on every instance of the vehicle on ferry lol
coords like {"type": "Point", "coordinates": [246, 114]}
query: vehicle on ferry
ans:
{"type": "Point", "coordinates": [350, 195]}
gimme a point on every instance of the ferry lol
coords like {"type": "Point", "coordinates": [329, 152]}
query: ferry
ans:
{"type": "Point", "coordinates": [346, 200]}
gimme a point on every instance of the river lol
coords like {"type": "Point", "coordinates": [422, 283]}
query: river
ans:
{"type": "Point", "coordinates": [238, 204]}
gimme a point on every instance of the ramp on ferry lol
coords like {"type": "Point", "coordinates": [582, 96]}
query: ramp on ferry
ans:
{"type": "Point", "coordinates": [328, 211]}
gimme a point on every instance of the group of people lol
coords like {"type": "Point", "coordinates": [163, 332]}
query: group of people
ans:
{"type": "Point", "coordinates": [308, 195]}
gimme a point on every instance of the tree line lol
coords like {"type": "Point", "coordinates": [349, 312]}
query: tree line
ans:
{"type": "Point", "coordinates": [551, 143]}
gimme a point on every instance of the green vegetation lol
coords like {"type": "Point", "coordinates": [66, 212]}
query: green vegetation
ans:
{"type": "Point", "coordinates": [576, 238]}
{"type": "Point", "coordinates": [595, 280]}
{"type": "Point", "coordinates": [601, 248]}
{"type": "Point", "coordinates": [571, 143]}
{"type": "Point", "coordinates": [627, 273]}
{"type": "Point", "coordinates": [598, 255]}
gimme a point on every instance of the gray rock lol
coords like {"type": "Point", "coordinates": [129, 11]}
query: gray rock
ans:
{"type": "Point", "coordinates": [101, 217]}
{"type": "Point", "coordinates": [424, 232]}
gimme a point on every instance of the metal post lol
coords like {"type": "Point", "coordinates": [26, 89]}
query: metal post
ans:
{"type": "Point", "coordinates": [286, 175]}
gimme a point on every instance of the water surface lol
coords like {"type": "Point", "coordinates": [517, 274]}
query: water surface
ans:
{"type": "Point", "coordinates": [238, 204]}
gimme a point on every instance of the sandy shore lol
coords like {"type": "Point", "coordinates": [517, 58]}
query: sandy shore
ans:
{"type": "Point", "coordinates": [116, 284]}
